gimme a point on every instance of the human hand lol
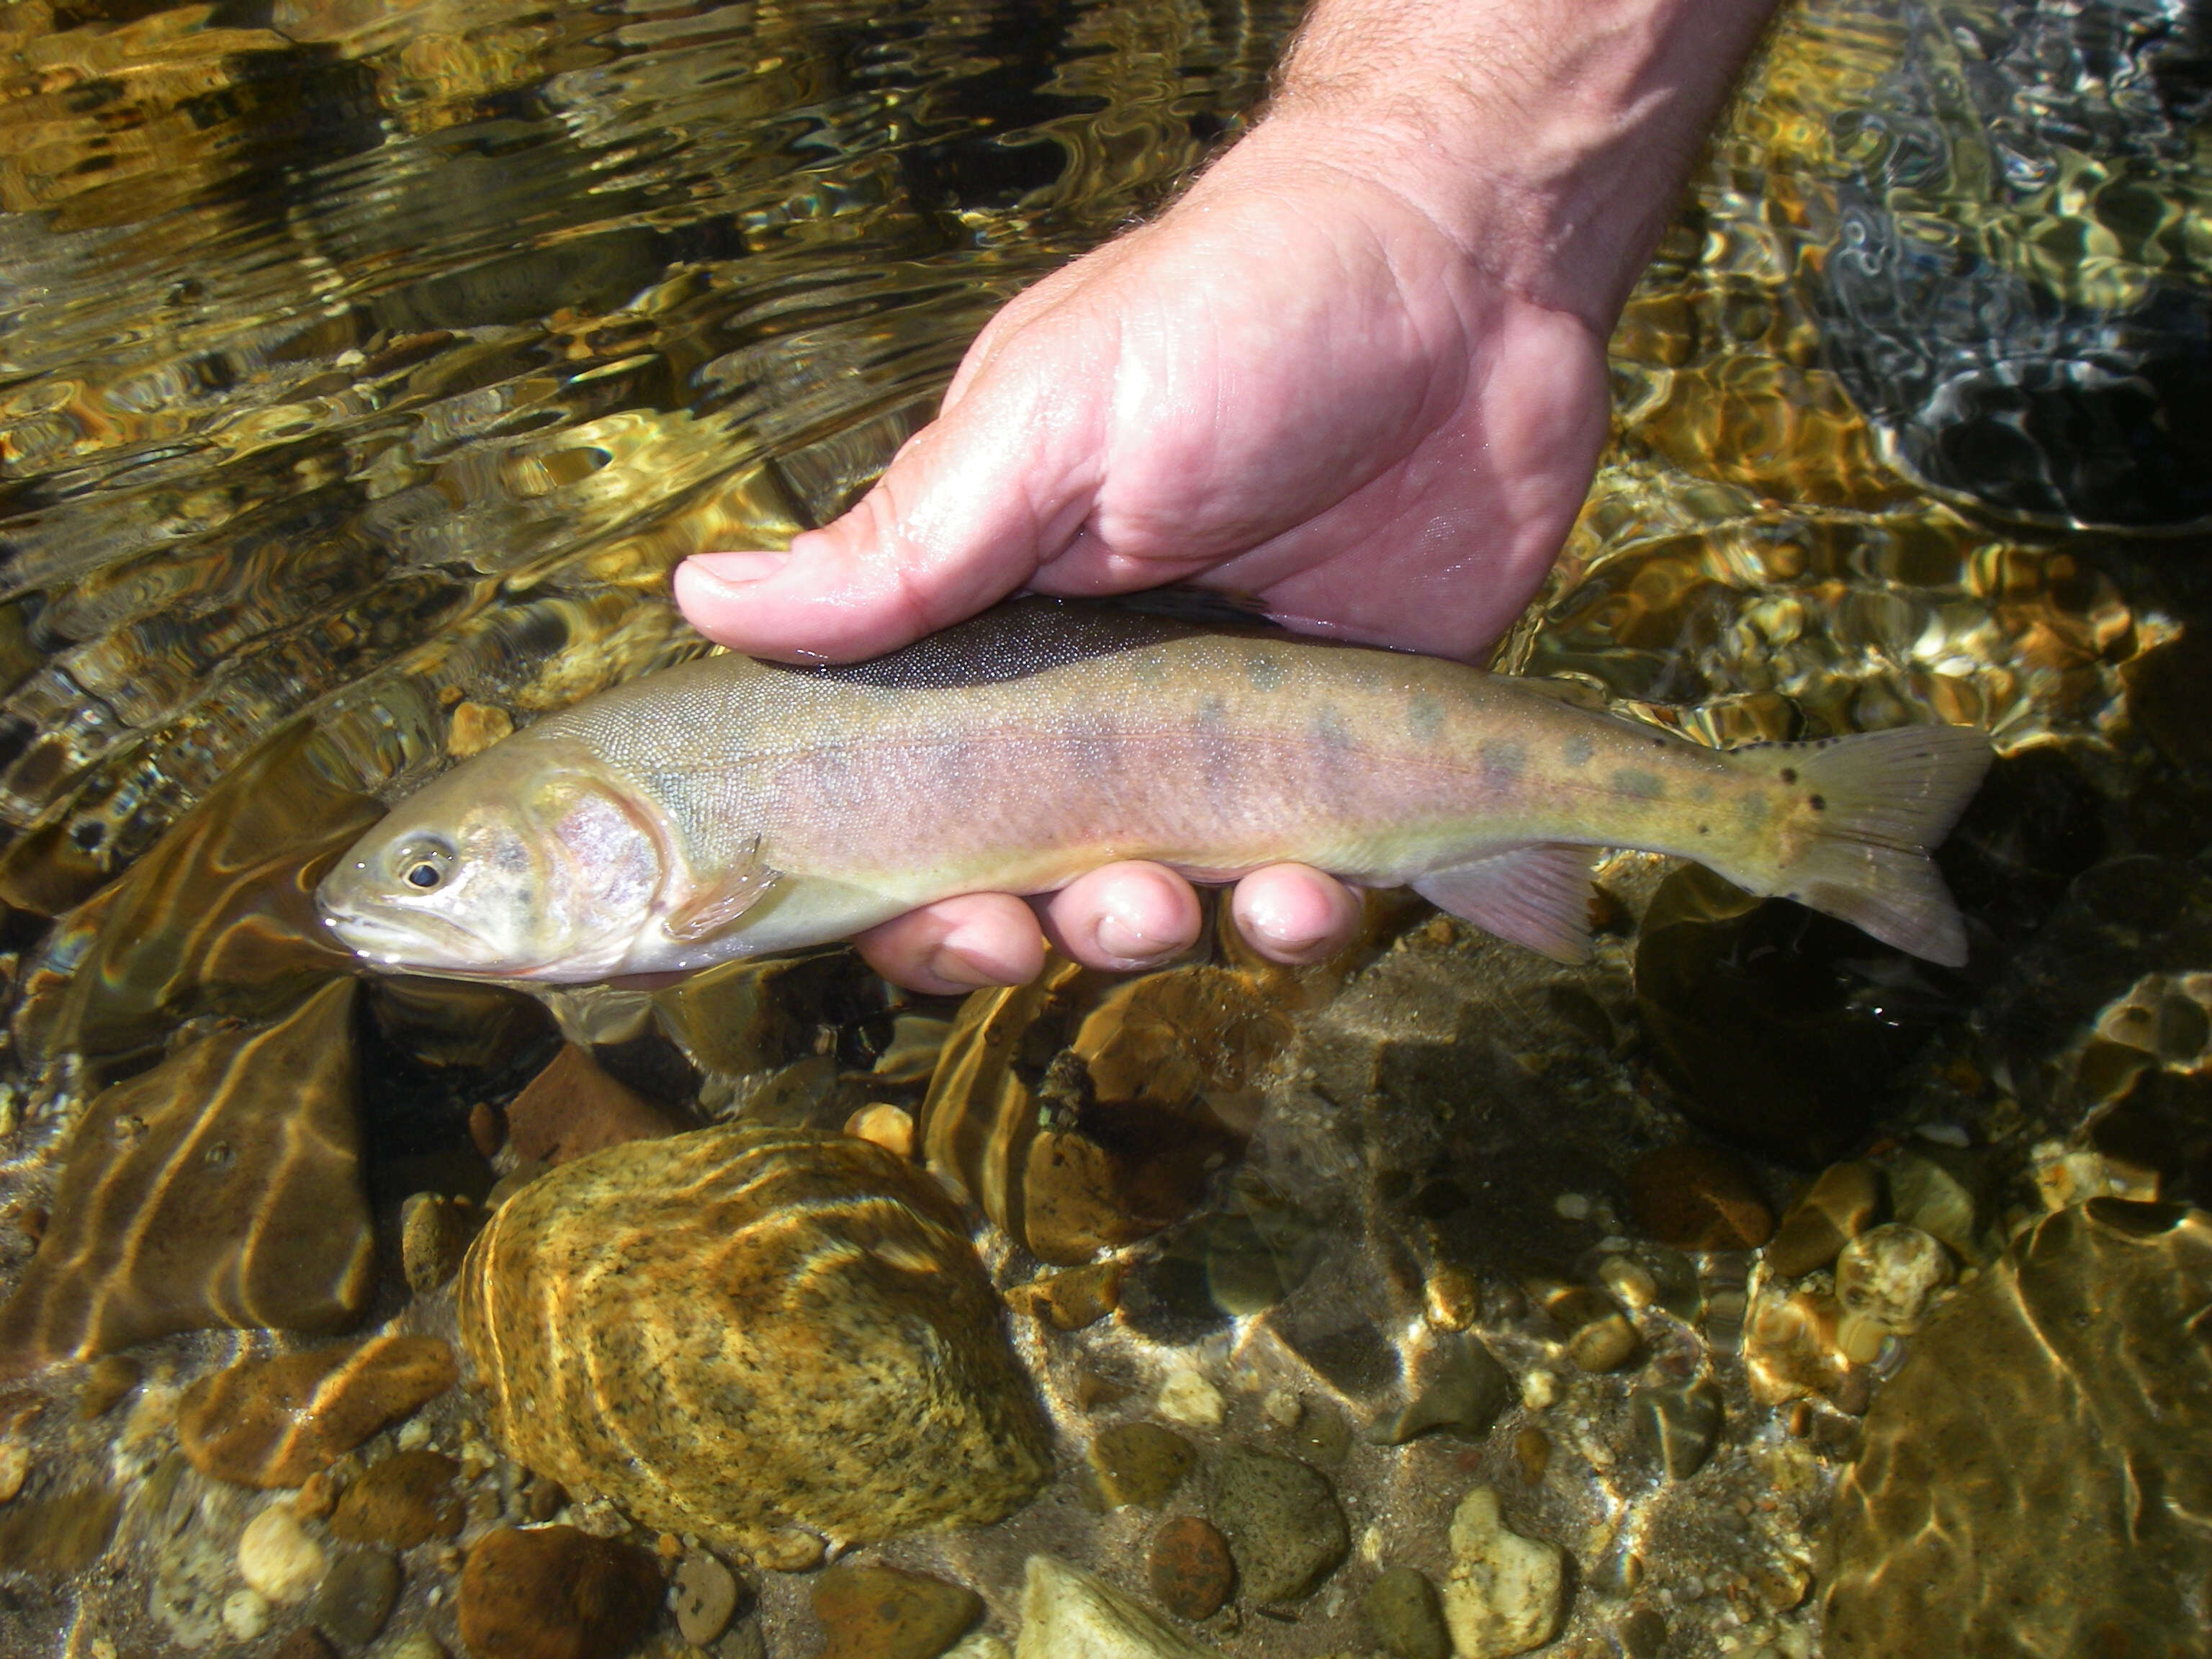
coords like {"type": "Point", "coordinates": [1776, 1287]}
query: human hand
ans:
{"type": "Point", "coordinates": [1296, 385]}
{"type": "Point", "coordinates": [1332, 376]}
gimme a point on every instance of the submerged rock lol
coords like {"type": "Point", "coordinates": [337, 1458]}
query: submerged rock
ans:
{"type": "Point", "coordinates": [356, 1597]}
{"type": "Point", "coordinates": [742, 1333]}
{"type": "Point", "coordinates": [1068, 1614]}
{"type": "Point", "coordinates": [555, 1593]}
{"type": "Point", "coordinates": [573, 1107]}
{"type": "Point", "coordinates": [1839, 1206]}
{"type": "Point", "coordinates": [706, 1598]}
{"type": "Point", "coordinates": [1283, 1523]}
{"type": "Point", "coordinates": [274, 1422]}
{"type": "Point", "coordinates": [277, 1559]}
{"type": "Point", "coordinates": [222, 1187]}
{"type": "Point", "coordinates": [1082, 1111]}
{"type": "Point", "coordinates": [1884, 1279]}
{"type": "Point", "coordinates": [1506, 1593]}
{"type": "Point", "coordinates": [406, 1499]}
{"type": "Point", "coordinates": [1699, 1198]}
{"type": "Point", "coordinates": [1460, 1390]}
{"type": "Point", "coordinates": [2038, 1476]}
{"type": "Point", "coordinates": [1138, 1463]}
{"type": "Point", "coordinates": [882, 1613]}
{"type": "Point", "coordinates": [1190, 1568]}
{"type": "Point", "coordinates": [1407, 1616]}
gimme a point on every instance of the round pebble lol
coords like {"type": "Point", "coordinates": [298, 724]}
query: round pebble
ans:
{"type": "Point", "coordinates": [1190, 1567]}
{"type": "Point", "coordinates": [246, 1615]}
{"type": "Point", "coordinates": [277, 1557]}
{"type": "Point", "coordinates": [356, 1597]}
{"type": "Point", "coordinates": [706, 1598]}
{"type": "Point", "coordinates": [1282, 1408]}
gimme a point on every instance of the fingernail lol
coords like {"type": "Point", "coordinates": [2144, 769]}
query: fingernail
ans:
{"type": "Point", "coordinates": [1118, 938]}
{"type": "Point", "coordinates": [956, 963]}
{"type": "Point", "coordinates": [736, 569]}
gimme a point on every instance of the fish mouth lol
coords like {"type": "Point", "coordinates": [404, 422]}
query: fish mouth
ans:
{"type": "Point", "coordinates": [409, 941]}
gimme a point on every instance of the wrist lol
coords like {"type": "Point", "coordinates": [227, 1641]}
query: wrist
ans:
{"type": "Point", "coordinates": [1550, 146]}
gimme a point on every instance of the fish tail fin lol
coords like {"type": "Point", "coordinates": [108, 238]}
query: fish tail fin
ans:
{"type": "Point", "coordinates": [1875, 805]}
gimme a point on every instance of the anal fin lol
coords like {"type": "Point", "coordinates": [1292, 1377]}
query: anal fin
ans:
{"type": "Point", "coordinates": [1536, 895]}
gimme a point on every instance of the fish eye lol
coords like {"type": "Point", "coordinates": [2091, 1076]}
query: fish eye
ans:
{"type": "Point", "coordinates": [422, 864]}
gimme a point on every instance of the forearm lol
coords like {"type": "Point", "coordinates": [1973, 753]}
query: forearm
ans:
{"type": "Point", "coordinates": [1552, 137]}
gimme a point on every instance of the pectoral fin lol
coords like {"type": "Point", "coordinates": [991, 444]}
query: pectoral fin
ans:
{"type": "Point", "coordinates": [1534, 896]}
{"type": "Point", "coordinates": [718, 904]}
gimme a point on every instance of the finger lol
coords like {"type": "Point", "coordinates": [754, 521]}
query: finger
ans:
{"type": "Point", "coordinates": [958, 944]}
{"type": "Point", "coordinates": [1295, 914]}
{"type": "Point", "coordinates": [967, 511]}
{"type": "Point", "coordinates": [1124, 917]}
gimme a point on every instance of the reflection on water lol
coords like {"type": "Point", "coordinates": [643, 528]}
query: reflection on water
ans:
{"type": "Point", "coordinates": [365, 366]}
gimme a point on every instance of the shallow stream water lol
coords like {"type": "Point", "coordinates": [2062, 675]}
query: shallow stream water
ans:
{"type": "Point", "coordinates": [365, 368]}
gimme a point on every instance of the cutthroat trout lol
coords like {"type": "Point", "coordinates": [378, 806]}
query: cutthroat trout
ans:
{"type": "Point", "coordinates": [728, 807]}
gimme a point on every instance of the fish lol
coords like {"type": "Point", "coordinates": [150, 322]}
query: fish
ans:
{"type": "Point", "coordinates": [731, 807]}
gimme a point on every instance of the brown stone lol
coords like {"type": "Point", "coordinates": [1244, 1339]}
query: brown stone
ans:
{"type": "Point", "coordinates": [1190, 1568]}
{"type": "Point", "coordinates": [572, 1108]}
{"type": "Point", "coordinates": [1699, 1198]}
{"type": "Point", "coordinates": [434, 1235]}
{"type": "Point", "coordinates": [1840, 1205]}
{"type": "Point", "coordinates": [1071, 1300]}
{"type": "Point", "coordinates": [753, 1336]}
{"type": "Point", "coordinates": [220, 1187]}
{"type": "Point", "coordinates": [306, 1642]}
{"type": "Point", "coordinates": [276, 1422]}
{"type": "Point", "coordinates": [406, 1499]}
{"type": "Point", "coordinates": [1138, 1464]}
{"type": "Point", "coordinates": [881, 1613]}
{"type": "Point", "coordinates": [555, 1593]}
{"type": "Point", "coordinates": [487, 1127]}
{"type": "Point", "coordinates": [1599, 1336]}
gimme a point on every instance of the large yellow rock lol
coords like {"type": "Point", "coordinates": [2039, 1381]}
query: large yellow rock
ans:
{"type": "Point", "coordinates": [756, 1336]}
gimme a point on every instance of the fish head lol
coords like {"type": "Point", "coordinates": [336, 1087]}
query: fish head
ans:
{"type": "Point", "coordinates": [531, 861]}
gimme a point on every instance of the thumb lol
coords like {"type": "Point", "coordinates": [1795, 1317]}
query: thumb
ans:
{"type": "Point", "coordinates": [998, 485]}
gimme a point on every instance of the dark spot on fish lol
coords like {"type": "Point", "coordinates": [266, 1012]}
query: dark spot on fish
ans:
{"type": "Point", "coordinates": [1579, 750]}
{"type": "Point", "coordinates": [1265, 672]}
{"type": "Point", "coordinates": [1424, 718]}
{"type": "Point", "coordinates": [1789, 775]}
{"type": "Point", "coordinates": [1704, 829]}
{"type": "Point", "coordinates": [1503, 763]}
{"type": "Point", "coordinates": [1329, 727]}
{"type": "Point", "coordinates": [1818, 802]}
{"type": "Point", "coordinates": [1638, 784]}
{"type": "Point", "coordinates": [1658, 743]}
